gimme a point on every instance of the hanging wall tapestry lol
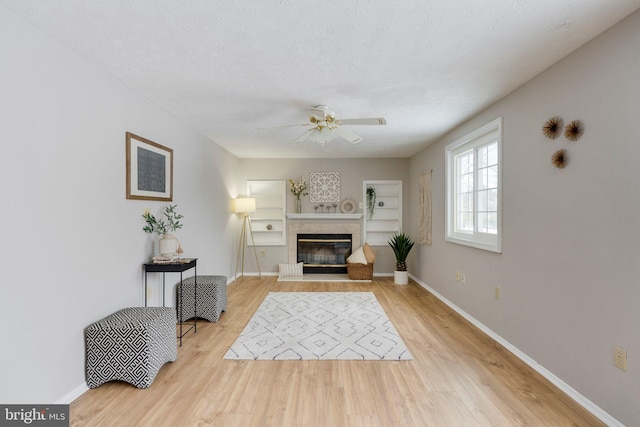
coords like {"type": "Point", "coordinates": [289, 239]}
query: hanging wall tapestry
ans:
{"type": "Point", "coordinates": [424, 232]}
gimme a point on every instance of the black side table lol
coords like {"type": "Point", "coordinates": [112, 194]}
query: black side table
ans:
{"type": "Point", "coordinates": [174, 267]}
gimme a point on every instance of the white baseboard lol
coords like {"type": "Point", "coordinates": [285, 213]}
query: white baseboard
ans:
{"type": "Point", "coordinates": [566, 388]}
{"type": "Point", "coordinates": [72, 395]}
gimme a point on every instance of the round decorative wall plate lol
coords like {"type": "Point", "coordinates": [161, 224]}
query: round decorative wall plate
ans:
{"type": "Point", "coordinates": [348, 206]}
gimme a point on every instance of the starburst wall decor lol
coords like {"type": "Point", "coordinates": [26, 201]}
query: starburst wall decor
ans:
{"type": "Point", "coordinates": [559, 159]}
{"type": "Point", "coordinates": [552, 128]}
{"type": "Point", "coordinates": [574, 130]}
{"type": "Point", "coordinates": [324, 187]}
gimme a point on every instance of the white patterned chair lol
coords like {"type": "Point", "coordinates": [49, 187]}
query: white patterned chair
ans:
{"type": "Point", "coordinates": [130, 345]}
{"type": "Point", "coordinates": [212, 298]}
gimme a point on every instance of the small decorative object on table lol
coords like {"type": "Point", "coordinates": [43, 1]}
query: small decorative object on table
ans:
{"type": "Point", "coordinates": [168, 245]}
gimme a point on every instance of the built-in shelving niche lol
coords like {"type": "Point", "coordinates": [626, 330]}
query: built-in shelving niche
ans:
{"type": "Point", "coordinates": [387, 214]}
{"type": "Point", "coordinates": [268, 222]}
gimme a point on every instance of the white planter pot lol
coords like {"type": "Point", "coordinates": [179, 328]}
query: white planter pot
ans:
{"type": "Point", "coordinates": [167, 245]}
{"type": "Point", "coordinates": [401, 277]}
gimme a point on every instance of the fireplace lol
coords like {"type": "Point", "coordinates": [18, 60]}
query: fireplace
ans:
{"type": "Point", "coordinates": [324, 253]}
{"type": "Point", "coordinates": [322, 224]}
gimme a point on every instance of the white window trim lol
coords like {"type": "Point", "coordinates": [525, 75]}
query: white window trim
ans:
{"type": "Point", "coordinates": [488, 242]}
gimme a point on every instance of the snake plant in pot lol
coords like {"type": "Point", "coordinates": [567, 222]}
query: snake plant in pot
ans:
{"type": "Point", "coordinates": [401, 245]}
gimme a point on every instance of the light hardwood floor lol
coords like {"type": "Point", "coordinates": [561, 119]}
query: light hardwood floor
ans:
{"type": "Point", "coordinates": [459, 376]}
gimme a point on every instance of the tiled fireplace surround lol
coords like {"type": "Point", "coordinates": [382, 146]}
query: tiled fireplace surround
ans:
{"type": "Point", "coordinates": [322, 224]}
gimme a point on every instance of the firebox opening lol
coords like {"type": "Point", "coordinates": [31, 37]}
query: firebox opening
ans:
{"type": "Point", "coordinates": [324, 253]}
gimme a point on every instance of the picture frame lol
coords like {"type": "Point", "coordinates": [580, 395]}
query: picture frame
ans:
{"type": "Point", "coordinates": [324, 187]}
{"type": "Point", "coordinates": [149, 169]}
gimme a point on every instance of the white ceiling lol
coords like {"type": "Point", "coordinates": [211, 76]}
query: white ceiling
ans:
{"type": "Point", "coordinates": [230, 68]}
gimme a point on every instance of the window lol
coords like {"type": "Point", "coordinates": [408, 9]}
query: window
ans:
{"type": "Point", "coordinates": [474, 196]}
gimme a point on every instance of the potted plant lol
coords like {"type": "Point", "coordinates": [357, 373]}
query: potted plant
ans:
{"type": "Point", "coordinates": [371, 201]}
{"type": "Point", "coordinates": [168, 244]}
{"type": "Point", "coordinates": [401, 245]}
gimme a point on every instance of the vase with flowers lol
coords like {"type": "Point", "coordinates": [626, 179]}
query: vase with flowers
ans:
{"type": "Point", "coordinates": [298, 189]}
{"type": "Point", "coordinates": [168, 244]}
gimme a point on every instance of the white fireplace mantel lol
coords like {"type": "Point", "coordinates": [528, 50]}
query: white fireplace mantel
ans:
{"type": "Point", "coordinates": [323, 216]}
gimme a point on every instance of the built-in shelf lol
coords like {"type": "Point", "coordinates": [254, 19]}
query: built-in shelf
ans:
{"type": "Point", "coordinates": [268, 222]}
{"type": "Point", "coordinates": [292, 215]}
{"type": "Point", "coordinates": [387, 213]}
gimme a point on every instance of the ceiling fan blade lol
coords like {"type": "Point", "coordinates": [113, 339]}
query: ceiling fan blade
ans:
{"type": "Point", "coordinates": [286, 126]}
{"type": "Point", "coordinates": [371, 121]}
{"type": "Point", "coordinates": [304, 136]}
{"type": "Point", "coordinates": [349, 136]}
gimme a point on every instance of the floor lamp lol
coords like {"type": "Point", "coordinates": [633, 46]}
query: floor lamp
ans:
{"type": "Point", "coordinates": [244, 206]}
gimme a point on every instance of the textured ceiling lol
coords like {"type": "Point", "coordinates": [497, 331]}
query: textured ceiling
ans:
{"type": "Point", "coordinates": [230, 69]}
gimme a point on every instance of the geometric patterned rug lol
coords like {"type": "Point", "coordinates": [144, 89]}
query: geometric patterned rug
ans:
{"type": "Point", "coordinates": [320, 326]}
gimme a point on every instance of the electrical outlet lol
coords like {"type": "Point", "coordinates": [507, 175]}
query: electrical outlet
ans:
{"type": "Point", "coordinates": [497, 293]}
{"type": "Point", "coordinates": [457, 276]}
{"type": "Point", "coordinates": [148, 293]}
{"type": "Point", "coordinates": [463, 279]}
{"type": "Point", "coordinates": [620, 358]}
{"type": "Point", "coordinates": [263, 254]}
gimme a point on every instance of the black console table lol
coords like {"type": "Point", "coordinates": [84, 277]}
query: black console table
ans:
{"type": "Point", "coordinates": [174, 267]}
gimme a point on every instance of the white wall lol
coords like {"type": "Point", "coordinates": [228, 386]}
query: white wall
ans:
{"type": "Point", "coordinates": [352, 173]}
{"type": "Point", "coordinates": [569, 268]}
{"type": "Point", "coordinates": [72, 245]}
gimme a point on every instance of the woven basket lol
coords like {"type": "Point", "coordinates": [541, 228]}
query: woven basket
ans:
{"type": "Point", "coordinates": [357, 271]}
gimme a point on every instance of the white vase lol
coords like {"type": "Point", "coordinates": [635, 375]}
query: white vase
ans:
{"type": "Point", "coordinates": [167, 245]}
{"type": "Point", "coordinates": [401, 277]}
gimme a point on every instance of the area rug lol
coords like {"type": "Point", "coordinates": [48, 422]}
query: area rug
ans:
{"type": "Point", "coordinates": [320, 326]}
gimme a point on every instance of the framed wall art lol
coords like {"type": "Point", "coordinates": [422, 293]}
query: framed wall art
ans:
{"type": "Point", "coordinates": [149, 170]}
{"type": "Point", "coordinates": [324, 187]}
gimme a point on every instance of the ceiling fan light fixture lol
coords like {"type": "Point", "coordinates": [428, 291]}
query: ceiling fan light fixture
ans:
{"type": "Point", "coordinates": [321, 135]}
{"type": "Point", "coordinates": [325, 127]}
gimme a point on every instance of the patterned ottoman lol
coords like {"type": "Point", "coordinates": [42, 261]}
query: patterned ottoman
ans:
{"type": "Point", "coordinates": [212, 298]}
{"type": "Point", "coordinates": [130, 345]}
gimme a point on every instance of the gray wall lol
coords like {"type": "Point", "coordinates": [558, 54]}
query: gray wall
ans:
{"type": "Point", "coordinates": [568, 272]}
{"type": "Point", "coordinates": [73, 246]}
{"type": "Point", "coordinates": [352, 173]}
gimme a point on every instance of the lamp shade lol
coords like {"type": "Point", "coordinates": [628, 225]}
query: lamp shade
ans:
{"type": "Point", "coordinates": [244, 205]}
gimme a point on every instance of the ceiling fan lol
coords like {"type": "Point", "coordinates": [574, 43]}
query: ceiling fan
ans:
{"type": "Point", "coordinates": [325, 127]}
